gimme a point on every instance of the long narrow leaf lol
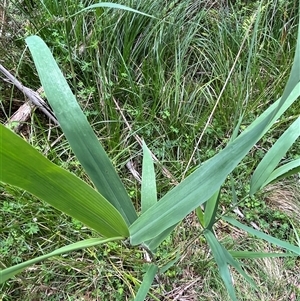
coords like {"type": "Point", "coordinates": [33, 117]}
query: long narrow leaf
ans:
{"type": "Point", "coordinates": [273, 156]}
{"type": "Point", "coordinates": [77, 130]}
{"type": "Point", "coordinates": [24, 167]}
{"type": "Point", "coordinates": [222, 256]}
{"type": "Point", "coordinates": [11, 271]}
{"type": "Point", "coordinates": [146, 284]}
{"type": "Point", "coordinates": [284, 171]}
{"type": "Point", "coordinates": [250, 254]}
{"type": "Point", "coordinates": [168, 265]}
{"type": "Point", "coordinates": [221, 261]}
{"type": "Point", "coordinates": [261, 235]}
{"type": "Point", "coordinates": [148, 191]}
{"type": "Point", "coordinates": [238, 267]}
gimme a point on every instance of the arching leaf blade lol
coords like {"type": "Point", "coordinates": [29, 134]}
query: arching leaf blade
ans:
{"type": "Point", "coordinates": [274, 155]}
{"type": "Point", "coordinates": [8, 273]}
{"type": "Point", "coordinates": [115, 6]}
{"type": "Point", "coordinates": [264, 236]}
{"type": "Point", "coordinates": [254, 255]}
{"type": "Point", "coordinates": [284, 171]}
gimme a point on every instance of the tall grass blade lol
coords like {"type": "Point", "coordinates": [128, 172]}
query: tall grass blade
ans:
{"type": "Point", "coordinates": [11, 271]}
{"type": "Point", "coordinates": [34, 173]}
{"type": "Point", "coordinates": [263, 236]}
{"type": "Point", "coordinates": [273, 156]}
{"type": "Point", "coordinates": [146, 284]}
{"type": "Point", "coordinates": [148, 190]}
{"type": "Point", "coordinates": [77, 130]}
{"type": "Point", "coordinates": [237, 266]}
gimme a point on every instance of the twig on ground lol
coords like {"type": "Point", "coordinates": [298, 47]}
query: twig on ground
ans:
{"type": "Point", "coordinates": [33, 96]}
{"type": "Point", "coordinates": [180, 291]}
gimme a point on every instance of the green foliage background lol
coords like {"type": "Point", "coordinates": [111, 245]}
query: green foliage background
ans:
{"type": "Point", "coordinates": [163, 78]}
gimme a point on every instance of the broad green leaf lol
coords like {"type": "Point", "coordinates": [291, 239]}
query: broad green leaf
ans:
{"type": "Point", "coordinates": [148, 191]}
{"type": "Point", "coordinates": [221, 261]}
{"type": "Point", "coordinates": [273, 156]}
{"type": "Point", "coordinates": [11, 271]}
{"type": "Point", "coordinates": [210, 211]}
{"type": "Point", "coordinates": [77, 130]}
{"type": "Point", "coordinates": [283, 171]}
{"type": "Point", "coordinates": [113, 5]}
{"type": "Point", "coordinates": [146, 283]}
{"type": "Point", "coordinates": [250, 254]}
{"type": "Point", "coordinates": [26, 168]}
{"type": "Point", "coordinates": [263, 236]}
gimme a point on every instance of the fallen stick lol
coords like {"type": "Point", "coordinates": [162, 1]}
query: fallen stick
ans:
{"type": "Point", "coordinates": [24, 111]}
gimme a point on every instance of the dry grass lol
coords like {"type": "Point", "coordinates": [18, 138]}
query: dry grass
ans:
{"type": "Point", "coordinates": [285, 196]}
